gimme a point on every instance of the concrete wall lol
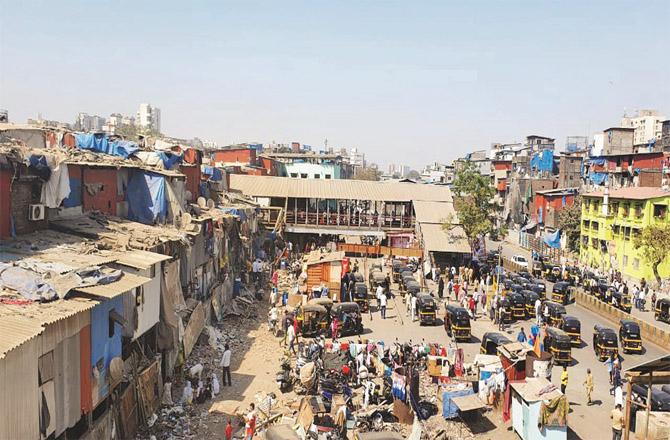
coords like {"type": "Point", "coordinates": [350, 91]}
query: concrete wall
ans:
{"type": "Point", "coordinates": [313, 170]}
{"type": "Point", "coordinates": [618, 141]}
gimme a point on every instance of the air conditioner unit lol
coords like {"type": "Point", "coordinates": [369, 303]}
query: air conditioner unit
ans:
{"type": "Point", "coordinates": [36, 212]}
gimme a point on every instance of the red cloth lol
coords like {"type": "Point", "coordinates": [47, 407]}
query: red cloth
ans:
{"type": "Point", "coordinates": [507, 403]}
{"type": "Point", "coordinates": [191, 156]}
{"type": "Point", "coordinates": [229, 432]}
{"type": "Point", "coordinates": [344, 346]}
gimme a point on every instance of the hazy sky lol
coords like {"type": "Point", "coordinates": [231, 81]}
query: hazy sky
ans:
{"type": "Point", "coordinates": [409, 81]}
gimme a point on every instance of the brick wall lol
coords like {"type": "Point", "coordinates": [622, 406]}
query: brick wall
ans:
{"type": "Point", "coordinates": [5, 202]}
{"type": "Point", "coordinates": [26, 192]}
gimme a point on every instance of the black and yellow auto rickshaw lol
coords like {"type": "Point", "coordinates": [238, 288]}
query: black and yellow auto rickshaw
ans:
{"type": "Point", "coordinates": [562, 293]}
{"type": "Point", "coordinates": [601, 289]}
{"type": "Point", "coordinates": [427, 308]}
{"type": "Point", "coordinates": [605, 342]}
{"type": "Point", "coordinates": [413, 287]}
{"type": "Point", "coordinates": [538, 286]}
{"type": "Point", "coordinates": [506, 305]}
{"type": "Point", "coordinates": [405, 279]}
{"type": "Point", "coordinates": [530, 298]}
{"type": "Point", "coordinates": [358, 277]}
{"type": "Point", "coordinates": [360, 295]}
{"type": "Point", "coordinates": [515, 287]}
{"type": "Point", "coordinates": [553, 274]}
{"type": "Point", "coordinates": [558, 343]}
{"type": "Point", "coordinates": [457, 323]}
{"type": "Point", "coordinates": [622, 301]}
{"type": "Point", "coordinates": [323, 301]}
{"type": "Point", "coordinates": [517, 305]}
{"type": "Point", "coordinates": [349, 316]}
{"type": "Point", "coordinates": [377, 278]}
{"type": "Point", "coordinates": [662, 310]}
{"type": "Point", "coordinates": [573, 328]}
{"type": "Point", "coordinates": [396, 266]}
{"type": "Point", "coordinates": [491, 341]}
{"type": "Point", "coordinates": [630, 336]}
{"type": "Point", "coordinates": [556, 313]}
{"type": "Point", "coordinates": [313, 320]}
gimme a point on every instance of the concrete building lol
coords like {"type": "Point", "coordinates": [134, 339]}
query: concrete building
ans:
{"type": "Point", "coordinates": [399, 171]}
{"type": "Point", "coordinates": [618, 140]}
{"type": "Point", "coordinates": [610, 222]}
{"type": "Point", "coordinates": [356, 158]}
{"type": "Point", "coordinates": [539, 143]}
{"type": "Point", "coordinates": [149, 117]}
{"type": "Point", "coordinates": [647, 125]}
{"type": "Point", "coordinates": [665, 136]}
{"type": "Point", "coordinates": [86, 122]}
{"type": "Point", "coordinates": [570, 170]}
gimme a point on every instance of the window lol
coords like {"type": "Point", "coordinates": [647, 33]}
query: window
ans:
{"type": "Point", "coordinates": [660, 211]}
{"type": "Point", "coordinates": [317, 176]}
{"type": "Point", "coordinates": [294, 174]}
{"type": "Point", "coordinates": [636, 263]}
{"type": "Point", "coordinates": [638, 210]}
{"type": "Point", "coordinates": [616, 229]}
{"type": "Point", "coordinates": [626, 233]}
{"type": "Point", "coordinates": [595, 226]}
{"type": "Point", "coordinates": [594, 243]}
{"type": "Point", "coordinates": [636, 232]}
{"type": "Point", "coordinates": [626, 209]}
{"type": "Point", "coordinates": [615, 208]}
{"type": "Point", "coordinates": [585, 224]}
{"type": "Point", "coordinates": [328, 176]}
{"type": "Point", "coordinates": [625, 260]}
{"type": "Point", "coordinates": [303, 175]}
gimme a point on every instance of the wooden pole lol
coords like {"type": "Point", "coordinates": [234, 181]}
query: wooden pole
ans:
{"type": "Point", "coordinates": [629, 388]}
{"type": "Point", "coordinates": [646, 425]}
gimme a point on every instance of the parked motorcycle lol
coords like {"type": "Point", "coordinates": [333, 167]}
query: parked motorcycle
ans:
{"type": "Point", "coordinates": [283, 377]}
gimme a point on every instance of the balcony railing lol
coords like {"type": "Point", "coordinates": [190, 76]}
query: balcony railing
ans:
{"type": "Point", "coordinates": [367, 221]}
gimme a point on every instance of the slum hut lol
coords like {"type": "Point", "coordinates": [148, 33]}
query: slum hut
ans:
{"type": "Point", "coordinates": [640, 417]}
{"type": "Point", "coordinates": [41, 378]}
{"type": "Point", "coordinates": [142, 306]}
{"type": "Point", "coordinates": [532, 415]}
{"type": "Point", "coordinates": [513, 359]}
{"type": "Point", "coordinates": [324, 268]}
{"type": "Point", "coordinates": [107, 327]}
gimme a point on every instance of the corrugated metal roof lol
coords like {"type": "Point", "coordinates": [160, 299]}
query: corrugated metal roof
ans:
{"type": "Point", "coordinates": [315, 257]}
{"type": "Point", "coordinates": [47, 313]}
{"type": "Point", "coordinates": [634, 193]}
{"type": "Point", "coordinates": [111, 290]}
{"type": "Point", "coordinates": [268, 186]}
{"type": "Point", "coordinates": [434, 212]}
{"type": "Point", "coordinates": [15, 331]}
{"type": "Point", "coordinates": [435, 239]}
{"type": "Point", "coordinates": [140, 259]}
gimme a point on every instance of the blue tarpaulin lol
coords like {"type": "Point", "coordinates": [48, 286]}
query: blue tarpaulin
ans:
{"type": "Point", "coordinates": [100, 143]}
{"type": "Point", "coordinates": [215, 173]}
{"type": "Point", "coordinates": [234, 211]}
{"type": "Point", "coordinates": [146, 197]}
{"type": "Point", "coordinates": [169, 159]}
{"type": "Point", "coordinates": [553, 239]}
{"type": "Point", "coordinates": [449, 409]}
{"type": "Point", "coordinates": [598, 178]}
{"type": "Point", "coordinates": [597, 161]}
{"type": "Point", "coordinates": [543, 161]}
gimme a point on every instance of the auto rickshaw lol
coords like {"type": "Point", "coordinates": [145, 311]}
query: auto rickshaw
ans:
{"type": "Point", "coordinates": [427, 308]}
{"type": "Point", "coordinates": [457, 323]}
{"type": "Point", "coordinates": [553, 274]}
{"type": "Point", "coordinates": [601, 289]}
{"type": "Point", "coordinates": [377, 278]}
{"type": "Point", "coordinates": [361, 296]}
{"type": "Point", "coordinates": [562, 293]}
{"type": "Point", "coordinates": [413, 287]}
{"type": "Point", "coordinates": [491, 341]}
{"type": "Point", "coordinates": [609, 294]}
{"type": "Point", "coordinates": [605, 342]}
{"type": "Point", "coordinates": [558, 343]}
{"type": "Point", "coordinates": [556, 313]}
{"type": "Point", "coordinates": [517, 305]}
{"type": "Point", "coordinates": [573, 328]}
{"type": "Point", "coordinates": [539, 288]}
{"type": "Point", "coordinates": [507, 304]}
{"type": "Point", "coordinates": [396, 266]}
{"type": "Point", "coordinates": [358, 277]}
{"type": "Point", "coordinates": [349, 315]}
{"type": "Point", "coordinates": [622, 301]}
{"type": "Point", "coordinates": [325, 302]}
{"type": "Point", "coordinates": [530, 298]}
{"type": "Point", "coordinates": [630, 336]}
{"type": "Point", "coordinates": [313, 320]}
{"type": "Point", "coordinates": [516, 288]}
{"type": "Point", "coordinates": [662, 310]}
{"type": "Point", "coordinates": [405, 278]}
{"type": "Point", "coordinates": [521, 281]}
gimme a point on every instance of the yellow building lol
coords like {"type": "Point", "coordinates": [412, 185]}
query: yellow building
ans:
{"type": "Point", "coordinates": [611, 222]}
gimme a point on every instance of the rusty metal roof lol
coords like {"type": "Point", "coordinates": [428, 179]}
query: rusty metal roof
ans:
{"type": "Point", "coordinates": [346, 189]}
{"type": "Point", "coordinates": [140, 259]}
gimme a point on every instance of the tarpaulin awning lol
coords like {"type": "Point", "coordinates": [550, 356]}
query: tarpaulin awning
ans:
{"type": "Point", "coordinates": [553, 239]}
{"type": "Point", "coordinates": [146, 197]}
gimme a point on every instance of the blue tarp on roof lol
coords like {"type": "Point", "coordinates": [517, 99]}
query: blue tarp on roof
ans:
{"type": "Point", "coordinates": [597, 161]}
{"type": "Point", "coordinates": [170, 159]}
{"type": "Point", "coordinates": [553, 239]}
{"type": "Point", "coordinates": [100, 143]}
{"type": "Point", "coordinates": [598, 178]}
{"type": "Point", "coordinates": [146, 197]}
{"type": "Point", "coordinates": [215, 173]}
{"type": "Point", "coordinates": [543, 161]}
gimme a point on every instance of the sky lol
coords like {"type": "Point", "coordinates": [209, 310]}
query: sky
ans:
{"type": "Point", "coordinates": [409, 82]}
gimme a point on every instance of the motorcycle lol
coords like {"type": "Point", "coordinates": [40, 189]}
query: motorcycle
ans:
{"type": "Point", "coordinates": [283, 377]}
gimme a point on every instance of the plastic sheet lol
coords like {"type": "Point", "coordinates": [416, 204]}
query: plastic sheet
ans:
{"type": "Point", "coordinates": [100, 143]}
{"type": "Point", "coordinates": [147, 202]}
{"type": "Point", "coordinates": [553, 239]}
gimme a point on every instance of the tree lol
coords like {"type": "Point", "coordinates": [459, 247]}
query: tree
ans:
{"type": "Point", "coordinates": [414, 175]}
{"type": "Point", "coordinates": [569, 221]}
{"type": "Point", "coordinates": [654, 246]}
{"type": "Point", "coordinates": [472, 200]}
{"type": "Point", "coordinates": [366, 174]}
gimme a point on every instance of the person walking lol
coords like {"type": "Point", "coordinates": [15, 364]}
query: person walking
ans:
{"type": "Point", "coordinates": [413, 301]}
{"type": "Point", "coordinates": [229, 430]}
{"type": "Point", "coordinates": [564, 379]}
{"type": "Point", "coordinates": [501, 317]}
{"type": "Point", "coordinates": [440, 287]}
{"type": "Point", "coordinates": [291, 335]}
{"type": "Point", "coordinates": [382, 304]}
{"type": "Point", "coordinates": [588, 385]}
{"type": "Point", "coordinates": [225, 365]}
{"type": "Point", "coordinates": [538, 311]}
{"type": "Point", "coordinates": [617, 422]}
{"type": "Point", "coordinates": [334, 328]}
{"type": "Point", "coordinates": [521, 336]}
{"type": "Point", "coordinates": [473, 311]}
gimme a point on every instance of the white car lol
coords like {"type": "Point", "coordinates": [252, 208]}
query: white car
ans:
{"type": "Point", "coordinates": [520, 260]}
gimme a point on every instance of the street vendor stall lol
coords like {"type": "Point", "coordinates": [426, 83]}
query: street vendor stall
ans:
{"type": "Point", "coordinates": [539, 410]}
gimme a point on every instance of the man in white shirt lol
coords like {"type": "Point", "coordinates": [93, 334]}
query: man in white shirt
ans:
{"type": "Point", "coordinates": [379, 291]}
{"type": "Point", "coordinates": [290, 333]}
{"type": "Point", "coordinates": [538, 311]}
{"type": "Point", "coordinates": [225, 365]}
{"type": "Point", "coordinates": [382, 304]}
{"type": "Point", "coordinates": [413, 301]}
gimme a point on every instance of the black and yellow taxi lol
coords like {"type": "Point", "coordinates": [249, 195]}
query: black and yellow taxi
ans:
{"type": "Point", "coordinates": [605, 342]}
{"type": "Point", "coordinates": [530, 298]}
{"type": "Point", "coordinates": [630, 336]}
{"type": "Point", "coordinates": [457, 323]}
{"type": "Point", "coordinates": [573, 328]}
{"type": "Point", "coordinates": [491, 341]}
{"type": "Point", "coordinates": [662, 310]}
{"type": "Point", "coordinates": [517, 305]}
{"type": "Point", "coordinates": [558, 343]}
{"type": "Point", "coordinates": [556, 312]}
{"type": "Point", "coordinates": [427, 308]}
{"type": "Point", "coordinates": [561, 292]}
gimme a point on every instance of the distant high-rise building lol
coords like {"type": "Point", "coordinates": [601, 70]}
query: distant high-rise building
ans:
{"type": "Point", "coordinates": [86, 122]}
{"type": "Point", "coordinates": [648, 126]}
{"type": "Point", "coordinates": [398, 170]}
{"type": "Point", "coordinates": [149, 117]}
{"type": "Point", "coordinates": [356, 158]}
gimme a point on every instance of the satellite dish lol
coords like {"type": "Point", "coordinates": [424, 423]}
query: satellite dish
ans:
{"type": "Point", "coordinates": [210, 203]}
{"type": "Point", "coordinates": [202, 202]}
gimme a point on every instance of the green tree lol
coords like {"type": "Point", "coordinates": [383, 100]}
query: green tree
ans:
{"type": "Point", "coordinates": [569, 221]}
{"type": "Point", "coordinates": [472, 199]}
{"type": "Point", "coordinates": [654, 246]}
